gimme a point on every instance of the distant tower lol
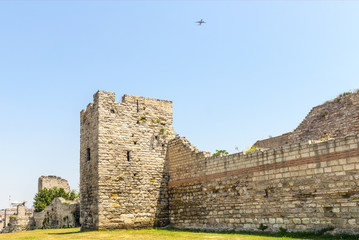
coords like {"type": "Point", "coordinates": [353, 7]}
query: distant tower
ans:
{"type": "Point", "coordinates": [123, 180]}
{"type": "Point", "coordinates": [53, 181]}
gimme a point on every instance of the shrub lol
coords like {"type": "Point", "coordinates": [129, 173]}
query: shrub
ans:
{"type": "Point", "coordinates": [252, 149]}
{"type": "Point", "coordinates": [45, 196]}
{"type": "Point", "coordinates": [219, 152]}
{"type": "Point", "coordinates": [262, 227]}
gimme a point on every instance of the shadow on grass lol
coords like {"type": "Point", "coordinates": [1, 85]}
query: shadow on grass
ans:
{"type": "Point", "coordinates": [319, 235]}
{"type": "Point", "coordinates": [74, 232]}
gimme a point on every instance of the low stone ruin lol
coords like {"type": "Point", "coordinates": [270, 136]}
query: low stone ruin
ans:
{"type": "Point", "coordinates": [60, 213]}
{"type": "Point", "coordinates": [20, 221]}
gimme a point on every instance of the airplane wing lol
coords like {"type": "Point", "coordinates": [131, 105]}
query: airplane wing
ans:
{"type": "Point", "coordinates": [200, 22]}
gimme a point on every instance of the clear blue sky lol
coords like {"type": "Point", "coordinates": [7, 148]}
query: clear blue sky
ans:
{"type": "Point", "coordinates": [254, 69]}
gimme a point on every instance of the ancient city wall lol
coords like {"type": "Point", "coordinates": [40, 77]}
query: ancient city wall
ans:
{"type": "Point", "coordinates": [20, 220]}
{"type": "Point", "coordinates": [123, 162]}
{"type": "Point", "coordinates": [60, 213]}
{"type": "Point", "coordinates": [2, 219]}
{"type": "Point", "coordinates": [298, 187]}
{"type": "Point", "coordinates": [53, 181]}
{"type": "Point", "coordinates": [333, 119]}
{"type": "Point", "coordinates": [7, 213]}
{"type": "Point", "coordinates": [135, 173]}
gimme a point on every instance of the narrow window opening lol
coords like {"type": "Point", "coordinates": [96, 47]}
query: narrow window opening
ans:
{"type": "Point", "coordinates": [138, 122]}
{"type": "Point", "coordinates": [135, 143]}
{"type": "Point", "coordinates": [156, 137]}
{"type": "Point", "coordinates": [266, 193]}
{"type": "Point", "coordinates": [137, 106]}
{"type": "Point", "coordinates": [88, 154]}
{"type": "Point", "coordinates": [128, 155]}
{"type": "Point", "coordinates": [133, 135]}
{"type": "Point", "coordinates": [112, 111]}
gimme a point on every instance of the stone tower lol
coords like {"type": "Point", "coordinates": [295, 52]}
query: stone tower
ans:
{"type": "Point", "coordinates": [53, 181]}
{"type": "Point", "coordinates": [124, 177]}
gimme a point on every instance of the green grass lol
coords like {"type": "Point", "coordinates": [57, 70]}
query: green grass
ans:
{"type": "Point", "coordinates": [74, 233]}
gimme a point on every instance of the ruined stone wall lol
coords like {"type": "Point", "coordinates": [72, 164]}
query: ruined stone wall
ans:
{"type": "Point", "coordinates": [20, 221]}
{"type": "Point", "coordinates": [2, 219]}
{"type": "Point", "coordinates": [297, 187]}
{"type": "Point", "coordinates": [124, 181]}
{"type": "Point", "coordinates": [7, 213]}
{"type": "Point", "coordinates": [135, 173]}
{"type": "Point", "coordinates": [186, 161]}
{"type": "Point", "coordinates": [53, 181]}
{"type": "Point", "coordinates": [60, 213]}
{"type": "Point", "coordinates": [333, 119]}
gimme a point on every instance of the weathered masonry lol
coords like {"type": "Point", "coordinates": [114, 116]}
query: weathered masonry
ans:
{"type": "Point", "coordinates": [53, 181]}
{"type": "Point", "coordinates": [135, 172]}
{"type": "Point", "coordinates": [297, 187]}
{"type": "Point", "coordinates": [124, 176]}
{"type": "Point", "coordinates": [60, 213]}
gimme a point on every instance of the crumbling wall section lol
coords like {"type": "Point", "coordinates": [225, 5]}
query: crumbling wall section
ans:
{"type": "Point", "coordinates": [186, 161]}
{"type": "Point", "coordinates": [297, 187]}
{"type": "Point", "coordinates": [53, 181]}
{"type": "Point", "coordinates": [2, 219]}
{"type": "Point", "coordinates": [333, 119]}
{"type": "Point", "coordinates": [20, 221]}
{"type": "Point", "coordinates": [60, 213]}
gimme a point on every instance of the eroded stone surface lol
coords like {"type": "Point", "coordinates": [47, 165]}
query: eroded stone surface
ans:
{"type": "Point", "coordinates": [298, 187]}
{"type": "Point", "coordinates": [19, 220]}
{"type": "Point", "coordinates": [53, 181]}
{"type": "Point", "coordinates": [333, 119]}
{"type": "Point", "coordinates": [123, 162]}
{"type": "Point", "coordinates": [135, 173]}
{"type": "Point", "coordinates": [60, 213]}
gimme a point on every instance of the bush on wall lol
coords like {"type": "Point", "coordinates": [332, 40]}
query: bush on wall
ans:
{"type": "Point", "coordinates": [45, 196]}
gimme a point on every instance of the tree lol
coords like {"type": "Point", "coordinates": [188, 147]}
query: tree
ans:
{"type": "Point", "coordinates": [45, 196]}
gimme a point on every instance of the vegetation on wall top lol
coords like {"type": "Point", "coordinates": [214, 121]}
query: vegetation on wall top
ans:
{"type": "Point", "coordinates": [219, 152]}
{"type": "Point", "coordinates": [45, 196]}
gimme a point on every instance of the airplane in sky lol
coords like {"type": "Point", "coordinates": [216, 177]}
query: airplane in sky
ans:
{"type": "Point", "coordinates": [200, 22]}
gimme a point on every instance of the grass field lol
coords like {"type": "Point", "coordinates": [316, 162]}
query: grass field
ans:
{"type": "Point", "coordinates": [161, 234]}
